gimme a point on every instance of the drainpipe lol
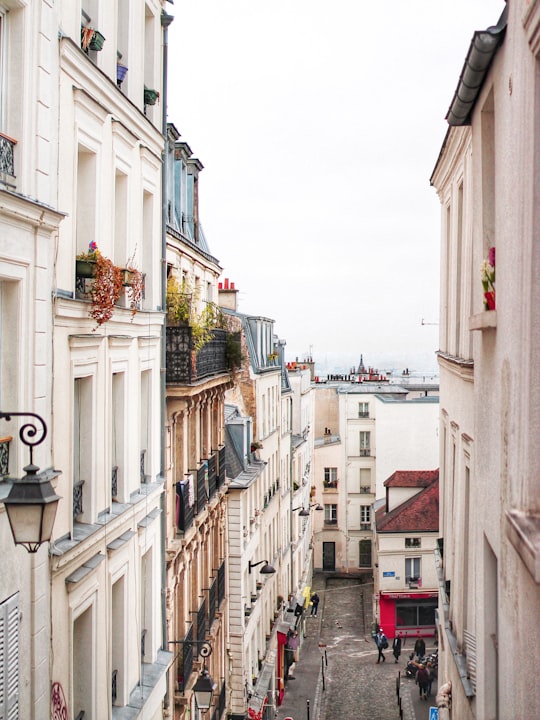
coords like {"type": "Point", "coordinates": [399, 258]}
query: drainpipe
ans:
{"type": "Point", "coordinates": [166, 20]}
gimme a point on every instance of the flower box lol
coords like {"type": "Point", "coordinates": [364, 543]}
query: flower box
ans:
{"type": "Point", "coordinates": [97, 40]}
{"type": "Point", "coordinates": [85, 268]}
{"type": "Point", "coordinates": [150, 96]}
{"type": "Point", "coordinates": [121, 71]}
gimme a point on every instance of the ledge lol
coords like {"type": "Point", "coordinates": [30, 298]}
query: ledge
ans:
{"type": "Point", "coordinates": [483, 321]}
{"type": "Point", "coordinates": [523, 531]}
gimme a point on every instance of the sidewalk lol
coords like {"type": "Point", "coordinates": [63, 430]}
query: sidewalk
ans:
{"type": "Point", "coordinates": [337, 675]}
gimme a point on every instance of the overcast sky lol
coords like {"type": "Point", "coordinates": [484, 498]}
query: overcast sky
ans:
{"type": "Point", "coordinates": [319, 124]}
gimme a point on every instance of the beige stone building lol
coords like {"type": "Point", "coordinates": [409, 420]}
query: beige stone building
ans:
{"type": "Point", "coordinates": [486, 177]}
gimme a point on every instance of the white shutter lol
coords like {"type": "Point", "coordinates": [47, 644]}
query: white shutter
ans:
{"type": "Point", "coordinates": [9, 658]}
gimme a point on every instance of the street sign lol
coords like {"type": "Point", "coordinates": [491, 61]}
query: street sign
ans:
{"type": "Point", "coordinates": [433, 713]}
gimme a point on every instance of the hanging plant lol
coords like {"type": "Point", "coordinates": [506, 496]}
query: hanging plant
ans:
{"type": "Point", "coordinates": [134, 281]}
{"type": "Point", "coordinates": [106, 289]}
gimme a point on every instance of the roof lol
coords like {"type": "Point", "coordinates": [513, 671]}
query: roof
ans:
{"type": "Point", "coordinates": [417, 514]}
{"type": "Point", "coordinates": [482, 50]}
{"type": "Point", "coordinates": [412, 478]}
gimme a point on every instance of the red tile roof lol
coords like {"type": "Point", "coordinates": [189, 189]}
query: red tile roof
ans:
{"type": "Point", "coordinates": [417, 514]}
{"type": "Point", "coordinates": [412, 478]}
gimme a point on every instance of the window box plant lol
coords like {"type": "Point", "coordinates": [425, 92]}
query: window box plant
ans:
{"type": "Point", "coordinates": [150, 96]}
{"type": "Point", "coordinates": [91, 39]}
{"type": "Point", "coordinates": [133, 280]}
{"type": "Point", "coordinates": [488, 280]}
{"type": "Point", "coordinates": [106, 285]}
{"type": "Point", "coordinates": [121, 71]}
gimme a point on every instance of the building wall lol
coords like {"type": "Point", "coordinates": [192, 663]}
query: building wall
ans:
{"type": "Point", "coordinates": [488, 447]}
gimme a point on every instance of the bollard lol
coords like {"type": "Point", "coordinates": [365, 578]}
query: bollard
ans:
{"type": "Point", "coordinates": [307, 702]}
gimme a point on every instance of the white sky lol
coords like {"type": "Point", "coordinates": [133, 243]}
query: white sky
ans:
{"type": "Point", "coordinates": [319, 124]}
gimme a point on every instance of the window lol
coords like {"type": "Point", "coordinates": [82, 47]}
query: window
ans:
{"type": "Point", "coordinates": [84, 663]}
{"type": "Point", "coordinates": [118, 439]}
{"type": "Point", "coordinates": [9, 658]}
{"type": "Point", "coordinates": [365, 480]}
{"type": "Point", "coordinates": [363, 410]}
{"type": "Point", "coordinates": [118, 642]}
{"type": "Point", "coordinates": [365, 517]}
{"type": "Point", "coordinates": [364, 555]}
{"type": "Point", "coordinates": [330, 514]}
{"type": "Point", "coordinates": [86, 198]}
{"type": "Point", "coordinates": [413, 542]}
{"type": "Point", "coordinates": [82, 449]}
{"type": "Point", "coordinates": [365, 444]}
{"type": "Point", "coordinates": [412, 569]}
{"type": "Point", "coordinates": [415, 613]}
{"type": "Point", "coordinates": [330, 477]}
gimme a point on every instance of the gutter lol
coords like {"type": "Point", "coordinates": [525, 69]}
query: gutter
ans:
{"type": "Point", "coordinates": [482, 50]}
{"type": "Point", "coordinates": [166, 20]}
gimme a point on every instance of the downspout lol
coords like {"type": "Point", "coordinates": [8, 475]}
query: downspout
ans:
{"type": "Point", "coordinates": [166, 20]}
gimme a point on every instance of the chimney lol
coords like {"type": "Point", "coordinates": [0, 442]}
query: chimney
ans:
{"type": "Point", "coordinates": [227, 295]}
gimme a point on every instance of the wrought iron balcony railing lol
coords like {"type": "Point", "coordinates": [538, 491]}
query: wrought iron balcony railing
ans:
{"type": "Point", "coordinates": [184, 366]}
{"type": "Point", "coordinates": [7, 165]}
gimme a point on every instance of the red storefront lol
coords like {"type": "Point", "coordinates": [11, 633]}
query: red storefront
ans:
{"type": "Point", "coordinates": [410, 613]}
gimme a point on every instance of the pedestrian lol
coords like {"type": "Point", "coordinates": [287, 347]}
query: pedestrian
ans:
{"type": "Point", "coordinates": [291, 653]}
{"type": "Point", "coordinates": [422, 680]}
{"type": "Point", "coordinates": [419, 648]}
{"type": "Point", "coordinates": [396, 646]}
{"type": "Point", "coordinates": [431, 675]}
{"type": "Point", "coordinates": [314, 604]}
{"type": "Point", "coordinates": [382, 644]}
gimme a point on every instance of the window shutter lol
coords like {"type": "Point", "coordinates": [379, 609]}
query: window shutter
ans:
{"type": "Point", "coordinates": [9, 658]}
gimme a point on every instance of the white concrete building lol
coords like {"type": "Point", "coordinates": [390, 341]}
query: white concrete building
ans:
{"type": "Point", "coordinates": [268, 464]}
{"type": "Point", "coordinates": [362, 430]}
{"type": "Point", "coordinates": [407, 527]}
{"type": "Point", "coordinates": [29, 225]}
{"type": "Point", "coordinates": [486, 177]}
{"type": "Point", "coordinates": [109, 652]}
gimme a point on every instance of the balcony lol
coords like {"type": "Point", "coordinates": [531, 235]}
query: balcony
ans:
{"type": "Point", "coordinates": [4, 454]}
{"type": "Point", "coordinates": [7, 165]}
{"type": "Point", "coordinates": [184, 365]}
{"type": "Point", "coordinates": [330, 485]}
{"type": "Point", "coordinates": [365, 452]}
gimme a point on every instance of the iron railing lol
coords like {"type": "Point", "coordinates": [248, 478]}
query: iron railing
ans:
{"type": "Point", "coordinates": [201, 621]}
{"type": "Point", "coordinates": [77, 498]}
{"type": "Point", "coordinates": [221, 466]}
{"type": "Point", "coordinates": [185, 512]}
{"type": "Point", "coordinates": [184, 366]}
{"type": "Point", "coordinates": [184, 663]}
{"type": "Point", "coordinates": [212, 474]}
{"type": "Point", "coordinates": [4, 455]}
{"type": "Point", "coordinates": [7, 164]}
{"type": "Point", "coordinates": [202, 487]}
{"type": "Point", "coordinates": [212, 601]}
{"type": "Point", "coordinates": [221, 583]}
{"type": "Point", "coordinates": [114, 481]}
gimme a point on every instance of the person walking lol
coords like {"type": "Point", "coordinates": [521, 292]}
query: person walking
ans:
{"type": "Point", "coordinates": [422, 680]}
{"type": "Point", "coordinates": [396, 646]}
{"type": "Point", "coordinates": [314, 604]}
{"type": "Point", "coordinates": [382, 644]}
{"type": "Point", "coordinates": [431, 676]}
{"type": "Point", "coordinates": [419, 648]}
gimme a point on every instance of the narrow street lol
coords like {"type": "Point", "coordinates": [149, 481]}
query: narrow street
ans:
{"type": "Point", "coordinates": [338, 672]}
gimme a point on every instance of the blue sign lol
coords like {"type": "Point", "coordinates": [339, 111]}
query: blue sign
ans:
{"type": "Point", "coordinates": [433, 713]}
{"type": "Point", "coordinates": [389, 573]}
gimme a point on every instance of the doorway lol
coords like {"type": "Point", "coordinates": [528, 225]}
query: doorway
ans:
{"type": "Point", "coordinates": [329, 556]}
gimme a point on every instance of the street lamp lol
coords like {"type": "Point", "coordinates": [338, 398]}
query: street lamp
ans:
{"type": "Point", "coordinates": [203, 690]}
{"type": "Point", "coordinates": [304, 512]}
{"type": "Point", "coordinates": [32, 503]}
{"type": "Point", "coordinates": [266, 568]}
{"type": "Point", "coordinates": [204, 686]}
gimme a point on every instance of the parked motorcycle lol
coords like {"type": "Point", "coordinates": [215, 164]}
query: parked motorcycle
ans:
{"type": "Point", "coordinates": [412, 665]}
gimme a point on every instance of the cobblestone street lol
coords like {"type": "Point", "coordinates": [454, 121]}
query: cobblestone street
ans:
{"type": "Point", "coordinates": [353, 686]}
{"type": "Point", "coordinates": [356, 686]}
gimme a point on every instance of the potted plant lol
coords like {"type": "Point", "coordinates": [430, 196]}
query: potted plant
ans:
{"type": "Point", "coordinates": [107, 282]}
{"type": "Point", "coordinates": [121, 71]}
{"type": "Point", "coordinates": [150, 96]}
{"type": "Point", "coordinates": [133, 279]}
{"type": "Point", "coordinates": [488, 280]}
{"type": "Point", "coordinates": [86, 262]}
{"type": "Point", "coordinates": [91, 39]}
